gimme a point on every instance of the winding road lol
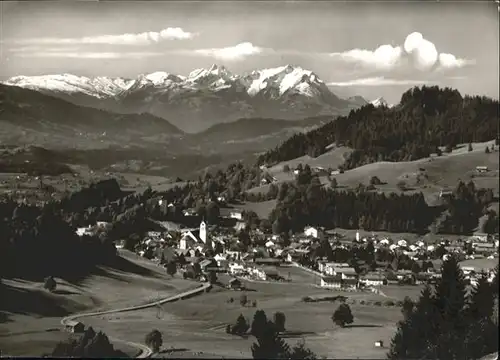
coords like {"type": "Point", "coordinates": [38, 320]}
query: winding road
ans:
{"type": "Point", "coordinates": [145, 351]}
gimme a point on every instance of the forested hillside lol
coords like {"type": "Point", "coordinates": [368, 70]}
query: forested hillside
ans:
{"type": "Point", "coordinates": [426, 118]}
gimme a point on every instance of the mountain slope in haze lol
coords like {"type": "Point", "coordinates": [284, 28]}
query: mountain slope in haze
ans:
{"type": "Point", "coordinates": [253, 134]}
{"type": "Point", "coordinates": [29, 117]}
{"type": "Point", "coordinates": [204, 98]}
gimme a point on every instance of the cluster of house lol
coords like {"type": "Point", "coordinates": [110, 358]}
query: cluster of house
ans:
{"type": "Point", "coordinates": [203, 250]}
{"type": "Point", "coordinates": [342, 276]}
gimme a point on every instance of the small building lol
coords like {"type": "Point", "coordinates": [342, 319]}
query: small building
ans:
{"type": "Point", "coordinates": [75, 327]}
{"type": "Point", "coordinates": [314, 232]}
{"type": "Point", "coordinates": [379, 343]}
{"type": "Point", "coordinates": [235, 214]}
{"type": "Point", "coordinates": [481, 169]}
{"type": "Point", "coordinates": [373, 279]}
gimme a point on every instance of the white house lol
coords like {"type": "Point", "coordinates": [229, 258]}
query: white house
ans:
{"type": "Point", "coordinates": [84, 231]}
{"type": "Point", "coordinates": [384, 242]}
{"type": "Point", "coordinates": [235, 268]}
{"type": "Point", "coordinates": [313, 232]}
{"type": "Point", "coordinates": [236, 215]}
{"type": "Point", "coordinates": [269, 244]}
{"type": "Point", "coordinates": [373, 279]}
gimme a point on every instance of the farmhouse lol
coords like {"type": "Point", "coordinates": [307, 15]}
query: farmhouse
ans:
{"type": "Point", "coordinates": [75, 327]}
{"type": "Point", "coordinates": [373, 279]}
{"type": "Point", "coordinates": [484, 248]}
{"type": "Point", "coordinates": [236, 214]}
{"type": "Point", "coordinates": [314, 232]}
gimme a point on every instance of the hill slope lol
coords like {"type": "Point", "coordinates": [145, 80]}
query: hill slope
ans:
{"type": "Point", "coordinates": [425, 119]}
{"type": "Point", "coordinates": [30, 117]}
{"type": "Point", "coordinates": [204, 98]}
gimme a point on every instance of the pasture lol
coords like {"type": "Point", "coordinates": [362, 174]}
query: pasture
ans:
{"type": "Point", "coordinates": [27, 309]}
{"type": "Point", "coordinates": [196, 326]}
{"type": "Point", "coordinates": [428, 175]}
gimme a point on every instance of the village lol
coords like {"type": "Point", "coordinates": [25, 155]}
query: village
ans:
{"type": "Point", "coordinates": [338, 262]}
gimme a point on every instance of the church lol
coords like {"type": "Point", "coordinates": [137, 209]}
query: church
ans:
{"type": "Point", "coordinates": [192, 238]}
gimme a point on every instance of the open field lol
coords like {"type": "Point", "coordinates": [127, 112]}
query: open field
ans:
{"type": "Point", "coordinates": [31, 310]}
{"type": "Point", "coordinates": [331, 159]}
{"type": "Point", "coordinates": [196, 326]}
{"type": "Point", "coordinates": [429, 175]}
{"type": "Point", "coordinates": [262, 209]}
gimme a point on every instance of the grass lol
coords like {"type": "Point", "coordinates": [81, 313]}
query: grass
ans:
{"type": "Point", "coordinates": [32, 310]}
{"type": "Point", "coordinates": [197, 325]}
{"type": "Point", "coordinates": [441, 172]}
{"type": "Point", "coordinates": [262, 209]}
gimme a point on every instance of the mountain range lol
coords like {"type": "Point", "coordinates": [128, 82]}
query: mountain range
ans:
{"type": "Point", "coordinates": [204, 98]}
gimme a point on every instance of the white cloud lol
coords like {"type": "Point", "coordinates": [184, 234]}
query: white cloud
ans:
{"type": "Point", "coordinates": [384, 57]}
{"type": "Point", "coordinates": [377, 81]}
{"type": "Point", "coordinates": [232, 53]}
{"type": "Point", "coordinates": [145, 38]}
{"type": "Point", "coordinates": [417, 53]}
{"type": "Point", "coordinates": [87, 55]}
{"type": "Point", "coordinates": [28, 49]}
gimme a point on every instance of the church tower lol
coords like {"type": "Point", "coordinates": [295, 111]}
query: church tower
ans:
{"type": "Point", "coordinates": [203, 232]}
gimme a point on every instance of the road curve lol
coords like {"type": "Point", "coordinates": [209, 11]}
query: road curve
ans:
{"type": "Point", "coordinates": [145, 350]}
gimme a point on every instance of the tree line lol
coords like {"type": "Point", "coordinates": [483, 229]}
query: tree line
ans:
{"type": "Point", "coordinates": [425, 119]}
{"type": "Point", "coordinates": [449, 322]}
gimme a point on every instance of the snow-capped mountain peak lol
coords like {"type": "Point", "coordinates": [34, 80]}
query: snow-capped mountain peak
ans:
{"type": "Point", "coordinates": [69, 83]}
{"type": "Point", "coordinates": [160, 77]}
{"type": "Point", "coordinates": [285, 78]}
{"type": "Point", "coordinates": [380, 102]}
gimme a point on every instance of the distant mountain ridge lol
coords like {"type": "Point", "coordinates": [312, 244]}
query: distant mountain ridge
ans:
{"type": "Point", "coordinates": [30, 117]}
{"type": "Point", "coordinates": [204, 98]}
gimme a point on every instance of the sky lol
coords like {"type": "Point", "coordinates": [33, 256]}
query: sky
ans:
{"type": "Point", "coordinates": [370, 49]}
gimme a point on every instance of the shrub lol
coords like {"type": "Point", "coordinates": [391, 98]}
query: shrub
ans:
{"type": "Point", "coordinates": [342, 315]}
{"type": "Point", "coordinates": [389, 303]}
{"type": "Point", "coordinates": [375, 181]}
{"type": "Point", "coordinates": [154, 340]}
{"type": "Point", "coordinates": [50, 284]}
{"type": "Point", "coordinates": [377, 303]}
{"type": "Point", "coordinates": [228, 329]}
{"type": "Point", "coordinates": [401, 185]}
{"type": "Point", "coordinates": [254, 303]}
{"type": "Point", "coordinates": [243, 300]}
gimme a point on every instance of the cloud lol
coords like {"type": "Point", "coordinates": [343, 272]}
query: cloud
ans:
{"type": "Point", "coordinates": [144, 38]}
{"type": "Point", "coordinates": [384, 57]}
{"type": "Point", "coordinates": [416, 53]}
{"type": "Point", "coordinates": [378, 81]}
{"type": "Point", "coordinates": [87, 55]}
{"type": "Point", "coordinates": [233, 53]}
